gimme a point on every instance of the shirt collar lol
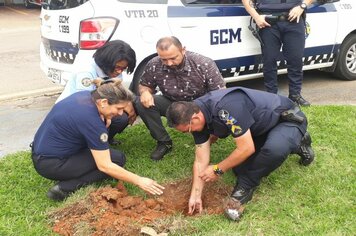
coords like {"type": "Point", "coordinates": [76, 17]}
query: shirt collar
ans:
{"type": "Point", "coordinates": [100, 73]}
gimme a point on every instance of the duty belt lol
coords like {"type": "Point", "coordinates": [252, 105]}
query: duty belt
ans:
{"type": "Point", "coordinates": [274, 18]}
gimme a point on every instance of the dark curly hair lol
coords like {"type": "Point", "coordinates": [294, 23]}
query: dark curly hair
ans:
{"type": "Point", "coordinates": [108, 55]}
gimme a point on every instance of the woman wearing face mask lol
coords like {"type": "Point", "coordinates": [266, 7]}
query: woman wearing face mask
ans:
{"type": "Point", "coordinates": [107, 65]}
{"type": "Point", "coordinates": [71, 145]}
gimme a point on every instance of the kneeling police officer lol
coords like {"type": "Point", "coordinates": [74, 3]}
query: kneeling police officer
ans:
{"type": "Point", "coordinates": [266, 129]}
{"type": "Point", "coordinates": [71, 145]}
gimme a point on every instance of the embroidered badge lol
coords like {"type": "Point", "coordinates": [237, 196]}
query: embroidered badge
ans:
{"type": "Point", "coordinates": [230, 121]}
{"type": "Point", "coordinates": [223, 115]}
{"type": "Point", "coordinates": [104, 137]}
{"type": "Point", "coordinates": [86, 82]}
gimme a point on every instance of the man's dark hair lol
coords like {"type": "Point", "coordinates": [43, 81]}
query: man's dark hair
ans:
{"type": "Point", "coordinates": [166, 42]}
{"type": "Point", "coordinates": [108, 55]}
{"type": "Point", "coordinates": [180, 113]}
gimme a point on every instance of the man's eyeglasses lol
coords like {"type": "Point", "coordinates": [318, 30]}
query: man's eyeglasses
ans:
{"type": "Point", "coordinates": [120, 68]}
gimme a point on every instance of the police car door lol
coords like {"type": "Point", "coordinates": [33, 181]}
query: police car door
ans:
{"type": "Point", "coordinates": [217, 29]}
{"type": "Point", "coordinates": [321, 32]}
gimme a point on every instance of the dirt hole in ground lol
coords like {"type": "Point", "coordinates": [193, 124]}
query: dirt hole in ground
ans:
{"type": "Point", "coordinates": [111, 211]}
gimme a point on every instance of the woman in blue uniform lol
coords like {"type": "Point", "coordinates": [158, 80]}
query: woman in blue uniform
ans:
{"type": "Point", "coordinates": [71, 145]}
{"type": "Point", "coordinates": [108, 63]}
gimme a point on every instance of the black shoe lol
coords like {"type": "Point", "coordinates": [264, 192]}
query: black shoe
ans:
{"type": "Point", "coordinates": [305, 150]}
{"type": "Point", "coordinates": [299, 100]}
{"type": "Point", "coordinates": [162, 149]}
{"type": "Point", "coordinates": [57, 194]}
{"type": "Point", "coordinates": [242, 195]}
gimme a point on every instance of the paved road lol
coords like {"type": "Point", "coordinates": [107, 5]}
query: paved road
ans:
{"type": "Point", "coordinates": [19, 121]}
{"type": "Point", "coordinates": [26, 96]}
{"type": "Point", "coordinates": [21, 77]}
{"type": "Point", "coordinates": [319, 88]}
{"type": "Point", "coordinates": [19, 54]}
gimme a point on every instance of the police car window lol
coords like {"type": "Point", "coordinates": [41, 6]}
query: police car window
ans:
{"type": "Point", "coordinates": [145, 1]}
{"type": "Point", "coordinates": [207, 2]}
{"type": "Point", "coordinates": [61, 4]}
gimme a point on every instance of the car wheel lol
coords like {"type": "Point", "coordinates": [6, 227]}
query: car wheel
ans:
{"type": "Point", "coordinates": [137, 75]}
{"type": "Point", "coordinates": [346, 62]}
{"type": "Point", "coordinates": [136, 79]}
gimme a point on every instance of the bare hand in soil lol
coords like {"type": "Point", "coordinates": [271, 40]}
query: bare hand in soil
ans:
{"type": "Point", "coordinates": [208, 174]}
{"type": "Point", "coordinates": [195, 205]}
{"type": "Point", "coordinates": [112, 211]}
{"type": "Point", "coordinates": [150, 186]}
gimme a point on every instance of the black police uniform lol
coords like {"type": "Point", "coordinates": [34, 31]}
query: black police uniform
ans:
{"type": "Point", "coordinates": [61, 146]}
{"type": "Point", "coordinates": [289, 35]}
{"type": "Point", "coordinates": [235, 110]}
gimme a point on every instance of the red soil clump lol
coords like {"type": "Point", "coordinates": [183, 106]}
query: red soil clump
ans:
{"type": "Point", "coordinates": [111, 211]}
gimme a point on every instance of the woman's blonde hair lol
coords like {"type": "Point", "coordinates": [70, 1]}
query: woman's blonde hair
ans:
{"type": "Point", "coordinates": [114, 92]}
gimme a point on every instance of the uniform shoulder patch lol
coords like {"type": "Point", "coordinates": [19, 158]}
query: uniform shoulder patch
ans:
{"type": "Point", "coordinates": [104, 137]}
{"type": "Point", "coordinates": [86, 82]}
{"type": "Point", "coordinates": [223, 115]}
{"type": "Point", "coordinates": [230, 121]}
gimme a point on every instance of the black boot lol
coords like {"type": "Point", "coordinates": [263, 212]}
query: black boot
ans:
{"type": "Point", "coordinates": [305, 150]}
{"type": "Point", "coordinates": [57, 194]}
{"type": "Point", "coordinates": [243, 195]}
{"type": "Point", "coordinates": [162, 149]}
{"type": "Point", "coordinates": [299, 100]}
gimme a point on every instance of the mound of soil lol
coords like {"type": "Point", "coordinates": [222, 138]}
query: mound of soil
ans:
{"type": "Point", "coordinates": [111, 211]}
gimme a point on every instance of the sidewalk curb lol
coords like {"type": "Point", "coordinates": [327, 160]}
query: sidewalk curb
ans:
{"type": "Point", "coordinates": [33, 93]}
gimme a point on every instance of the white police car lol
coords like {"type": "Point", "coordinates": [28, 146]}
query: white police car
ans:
{"type": "Point", "coordinates": [73, 29]}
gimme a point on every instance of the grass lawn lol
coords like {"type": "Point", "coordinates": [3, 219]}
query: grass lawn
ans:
{"type": "Point", "coordinates": [293, 200]}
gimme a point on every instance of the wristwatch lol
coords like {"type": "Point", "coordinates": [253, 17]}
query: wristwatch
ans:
{"type": "Point", "coordinates": [303, 6]}
{"type": "Point", "coordinates": [218, 171]}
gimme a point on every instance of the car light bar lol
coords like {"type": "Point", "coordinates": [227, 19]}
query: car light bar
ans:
{"type": "Point", "coordinates": [95, 32]}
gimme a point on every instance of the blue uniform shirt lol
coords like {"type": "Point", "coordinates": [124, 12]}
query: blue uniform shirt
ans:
{"type": "Point", "coordinates": [83, 80]}
{"type": "Point", "coordinates": [73, 124]}
{"type": "Point", "coordinates": [233, 111]}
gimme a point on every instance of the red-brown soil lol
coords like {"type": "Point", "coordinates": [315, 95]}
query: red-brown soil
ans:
{"type": "Point", "coordinates": [111, 211]}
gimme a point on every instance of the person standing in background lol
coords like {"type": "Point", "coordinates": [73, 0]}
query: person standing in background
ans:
{"type": "Point", "coordinates": [281, 24]}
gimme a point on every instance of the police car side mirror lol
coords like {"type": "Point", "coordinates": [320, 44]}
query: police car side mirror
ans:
{"type": "Point", "coordinates": [326, 1]}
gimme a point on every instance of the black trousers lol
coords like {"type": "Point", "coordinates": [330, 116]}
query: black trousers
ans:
{"type": "Point", "coordinates": [75, 171]}
{"type": "Point", "coordinates": [118, 124]}
{"type": "Point", "coordinates": [272, 149]}
{"type": "Point", "coordinates": [291, 37]}
{"type": "Point", "coordinates": [152, 117]}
